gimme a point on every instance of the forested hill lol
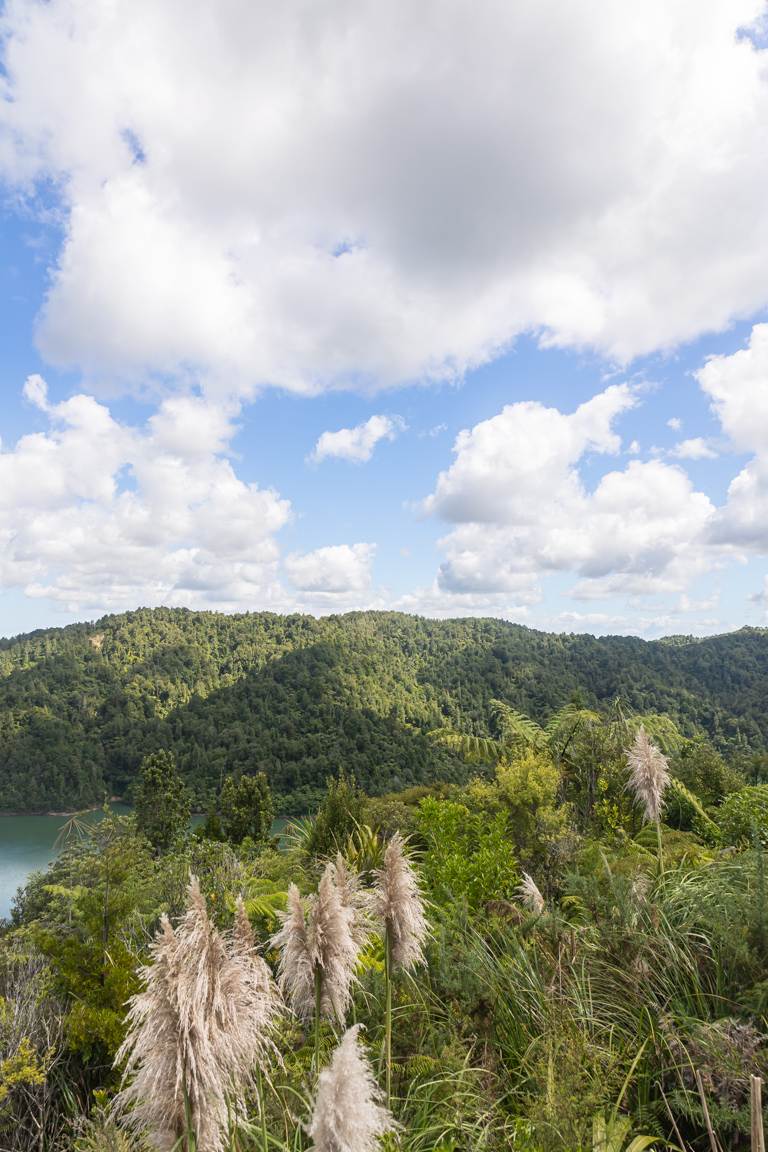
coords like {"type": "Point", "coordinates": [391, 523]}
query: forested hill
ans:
{"type": "Point", "coordinates": [299, 697]}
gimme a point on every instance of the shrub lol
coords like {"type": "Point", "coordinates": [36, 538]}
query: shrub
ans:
{"type": "Point", "coordinates": [744, 815]}
{"type": "Point", "coordinates": [469, 857]}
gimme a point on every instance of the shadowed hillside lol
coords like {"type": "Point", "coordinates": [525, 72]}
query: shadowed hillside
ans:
{"type": "Point", "coordinates": [298, 697]}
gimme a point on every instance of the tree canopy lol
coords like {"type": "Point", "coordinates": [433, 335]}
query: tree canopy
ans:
{"type": "Point", "coordinates": [295, 697]}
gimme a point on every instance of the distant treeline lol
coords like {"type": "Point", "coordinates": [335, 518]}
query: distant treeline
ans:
{"type": "Point", "coordinates": [297, 698]}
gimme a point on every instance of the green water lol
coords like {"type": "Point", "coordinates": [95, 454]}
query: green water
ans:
{"type": "Point", "coordinates": [28, 844]}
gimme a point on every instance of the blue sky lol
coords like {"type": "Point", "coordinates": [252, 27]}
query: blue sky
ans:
{"type": "Point", "coordinates": [307, 323]}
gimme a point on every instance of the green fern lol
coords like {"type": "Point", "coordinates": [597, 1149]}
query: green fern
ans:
{"type": "Point", "coordinates": [703, 823]}
{"type": "Point", "coordinates": [474, 749]}
{"type": "Point", "coordinates": [516, 727]}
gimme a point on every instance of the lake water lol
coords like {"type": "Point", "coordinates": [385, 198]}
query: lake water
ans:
{"type": "Point", "coordinates": [28, 844]}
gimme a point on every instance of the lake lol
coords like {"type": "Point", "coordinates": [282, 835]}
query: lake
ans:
{"type": "Point", "coordinates": [28, 844]}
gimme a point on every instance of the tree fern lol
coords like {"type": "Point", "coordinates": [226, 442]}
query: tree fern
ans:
{"type": "Point", "coordinates": [516, 727]}
{"type": "Point", "coordinates": [703, 824]}
{"type": "Point", "coordinates": [474, 749]}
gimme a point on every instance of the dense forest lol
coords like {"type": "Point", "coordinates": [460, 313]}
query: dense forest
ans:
{"type": "Point", "coordinates": [567, 952]}
{"type": "Point", "coordinates": [297, 697]}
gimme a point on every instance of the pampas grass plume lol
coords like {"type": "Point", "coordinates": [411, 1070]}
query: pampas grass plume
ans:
{"type": "Point", "coordinates": [152, 1098]}
{"type": "Point", "coordinates": [252, 996]}
{"type": "Point", "coordinates": [531, 897]}
{"type": "Point", "coordinates": [399, 904]}
{"type": "Point", "coordinates": [296, 970]}
{"type": "Point", "coordinates": [348, 1115]}
{"type": "Point", "coordinates": [648, 775]}
{"type": "Point", "coordinates": [318, 940]}
{"type": "Point", "coordinates": [353, 896]}
{"type": "Point", "coordinates": [196, 1032]}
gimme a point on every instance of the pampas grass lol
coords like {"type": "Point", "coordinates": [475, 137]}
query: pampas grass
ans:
{"type": "Point", "coordinates": [353, 896]}
{"type": "Point", "coordinates": [252, 992]}
{"type": "Point", "coordinates": [153, 1098]}
{"type": "Point", "coordinates": [398, 902]}
{"type": "Point", "coordinates": [316, 938]}
{"type": "Point", "coordinates": [648, 775]}
{"type": "Point", "coordinates": [529, 894]}
{"type": "Point", "coordinates": [196, 1032]}
{"type": "Point", "coordinates": [648, 780]}
{"type": "Point", "coordinates": [296, 975]}
{"type": "Point", "coordinates": [259, 999]}
{"type": "Point", "coordinates": [319, 952]}
{"type": "Point", "coordinates": [348, 1115]}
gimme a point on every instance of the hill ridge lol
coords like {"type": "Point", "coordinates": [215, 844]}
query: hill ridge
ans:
{"type": "Point", "coordinates": [299, 696]}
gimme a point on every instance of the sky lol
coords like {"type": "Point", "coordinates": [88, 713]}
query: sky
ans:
{"type": "Point", "coordinates": [457, 309]}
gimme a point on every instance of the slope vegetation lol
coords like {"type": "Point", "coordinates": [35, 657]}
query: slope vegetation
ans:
{"type": "Point", "coordinates": [299, 697]}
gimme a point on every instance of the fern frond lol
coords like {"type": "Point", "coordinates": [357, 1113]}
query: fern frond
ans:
{"type": "Point", "coordinates": [662, 730]}
{"type": "Point", "coordinates": [516, 727]}
{"type": "Point", "coordinates": [568, 718]}
{"type": "Point", "coordinates": [474, 749]}
{"type": "Point", "coordinates": [706, 825]}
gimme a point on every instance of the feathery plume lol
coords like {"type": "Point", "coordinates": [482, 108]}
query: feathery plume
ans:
{"type": "Point", "coordinates": [530, 896]}
{"type": "Point", "coordinates": [153, 1099]}
{"type": "Point", "coordinates": [195, 1032]}
{"type": "Point", "coordinates": [348, 1115]}
{"type": "Point", "coordinates": [252, 996]}
{"type": "Point", "coordinates": [352, 895]}
{"type": "Point", "coordinates": [398, 902]}
{"type": "Point", "coordinates": [296, 968]}
{"type": "Point", "coordinates": [317, 943]}
{"type": "Point", "coordinates": [648, 775]}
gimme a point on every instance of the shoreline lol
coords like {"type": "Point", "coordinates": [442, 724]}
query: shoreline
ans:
{"type": "Point", "coordinates": [52, 812]}
{"type": "Point", "coordinates": [78, 811]}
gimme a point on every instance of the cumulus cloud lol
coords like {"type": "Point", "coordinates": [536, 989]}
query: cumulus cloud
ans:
{"type": "Point", "coordinates": [506, 467]}
{"type": "Point", "coordinates": [521, 509]}
{"type": "Point", "coordinates": [696, 448]}
{"type": "Point", "coordinates": [348, 196]}
{"type": "Point", "coordinates": [357, 444]}
{"type": "Point", "coordinates": [339, 568]}
{"type": "Point", "coordinates": [35, 391]}
{"type": "Point", "coordinates": [99, 515]}
{"type": "Point", "coordinates": [439, 603]}
{"type": "Point", "coordinates": [737, 386]}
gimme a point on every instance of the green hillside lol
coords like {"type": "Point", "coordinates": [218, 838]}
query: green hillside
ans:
{"type": "Point", "coordinates": [298, 697]}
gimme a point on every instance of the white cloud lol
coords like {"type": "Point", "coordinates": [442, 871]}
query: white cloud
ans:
{"type": "Point", "coordinates": [737, 386]}
{"type": "Point", "coordinates": [339, 568]}
{"type": "Point", "coordinates": [648, 623]}
{"type": "Point", "coordinates": [357, 444]}
{"type": "Point", "coordinates": [343, 195]}
{"type": "Point", "coordinates": [521, 509]}
{"type": "Point", "coordinates": [675, 423]}
{"type": "Point", "coordinates": [696, 448]}
{"type": "Point", "coordinates": [440, 603]}
{"type": "Point", "coordinates": [507, 467]}
{"type": "Point", "coordinates": [99, 515]}
{"type": "Point", "coordinates": [189, 427]}
{"type": "Point", "coordinates": [35, 390]}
